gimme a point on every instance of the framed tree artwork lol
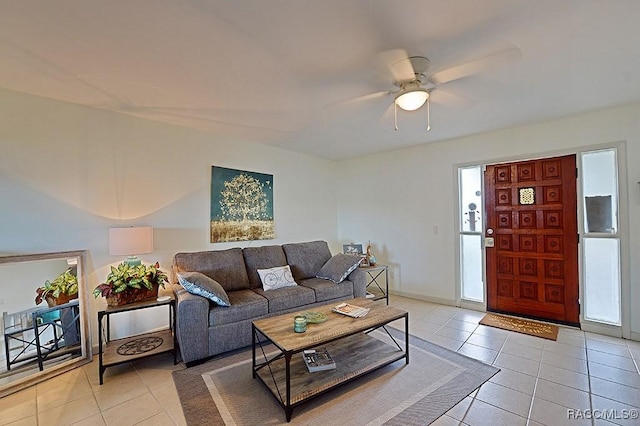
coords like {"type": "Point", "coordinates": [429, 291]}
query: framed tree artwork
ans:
{"type": "Point", "coordinates": [241, 205]}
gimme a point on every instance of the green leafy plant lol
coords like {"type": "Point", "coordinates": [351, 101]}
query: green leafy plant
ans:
{"type": "Point", "coordinates": [126, 277]}
{"type": "Point", "coordinates": [65, 283]}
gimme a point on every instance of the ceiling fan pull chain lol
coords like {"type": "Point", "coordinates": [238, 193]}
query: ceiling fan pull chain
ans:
{"type": "Point", "coordinates": [395, 115]}
{"type": "Point", "coordinates": [428, 114]}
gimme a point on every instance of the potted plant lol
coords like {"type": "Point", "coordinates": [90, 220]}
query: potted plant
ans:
{"type": "Point", "coordinates": [59, 291]}
{"type": "Point", "coordinates": [128, 283]}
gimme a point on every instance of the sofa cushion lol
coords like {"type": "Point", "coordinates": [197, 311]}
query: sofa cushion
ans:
{"type": "Point", "coordinates": [262, 258]}
{"type": "Point", "coordinates": [224, 266]}
{"type": "Point", "coordinates": [287, 297]}
{"type": "Point", "coordinates": [245, 304]}
{"type": "Point", "coordinates": [306, 259]}
{"type": "Point", "coordinates": [338, 268]}
{"type": "Point", "coordinates": [202, 285]}
{"type": "Point", "coordinates": [275, 278]}
{"type": "Point", "coordinates": [327, 290]}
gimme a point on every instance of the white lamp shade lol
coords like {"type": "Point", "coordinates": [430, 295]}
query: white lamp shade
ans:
{"type": "Point", "coordinates": [130, 241]}
{"type": "Point", "coordinates": [413, 99]}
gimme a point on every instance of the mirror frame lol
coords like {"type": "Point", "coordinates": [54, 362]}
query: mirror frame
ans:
{"type": "Point", "coordinates": [83, 297]}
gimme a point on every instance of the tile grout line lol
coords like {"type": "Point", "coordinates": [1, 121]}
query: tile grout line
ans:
{"type": "Point", "coordinates": [586, 350]}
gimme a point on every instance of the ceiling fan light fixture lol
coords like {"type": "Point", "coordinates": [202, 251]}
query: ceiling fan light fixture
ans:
{"type": "Point", "coordinates": [410, 99]}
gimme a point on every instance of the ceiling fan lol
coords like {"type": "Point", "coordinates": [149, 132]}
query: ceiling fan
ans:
{"type": "Point", "coordinates": [415, 84]}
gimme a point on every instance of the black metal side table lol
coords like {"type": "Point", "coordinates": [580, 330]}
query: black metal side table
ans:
{"type": "Point", "coordinates": [114, 352]}
{"type": "Point", "coordinates": [375, 289]}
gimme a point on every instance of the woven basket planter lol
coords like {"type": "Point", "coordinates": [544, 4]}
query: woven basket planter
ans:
{"type": "Point", "coordinates": [60, 300]}
{"type": "Point", "coordinates": [132, 296]}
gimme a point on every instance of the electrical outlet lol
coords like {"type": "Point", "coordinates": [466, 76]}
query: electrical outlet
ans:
{"type": "Point", "coordinates": [2, 301]}
{"type": "Point", "coordinates": [391, 275]}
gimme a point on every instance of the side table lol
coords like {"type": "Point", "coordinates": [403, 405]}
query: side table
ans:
{"type": "Point", "coordinates": [375, 290]}
{"type": "Point", "coordinates": [114, 352]}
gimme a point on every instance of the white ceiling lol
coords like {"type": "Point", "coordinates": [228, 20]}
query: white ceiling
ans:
{"type": "Point", "coordinates": [276, 71]}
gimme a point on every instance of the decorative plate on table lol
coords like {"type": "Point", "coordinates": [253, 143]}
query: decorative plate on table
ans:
{"type": "Point", "coordinates": [315, 317]}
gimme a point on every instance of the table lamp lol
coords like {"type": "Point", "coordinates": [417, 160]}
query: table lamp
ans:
{"type": "Point", "coordinates": [130, 242]}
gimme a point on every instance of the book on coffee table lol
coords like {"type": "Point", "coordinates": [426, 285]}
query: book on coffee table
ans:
{"type": "Point", "coordinates": [318, 360]}
{"type": "Point", "coordinates": [350, 310]}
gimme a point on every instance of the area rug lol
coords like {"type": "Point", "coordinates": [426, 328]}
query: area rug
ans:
{"type": "Point", "coordinates": [532, 328]}
{"type": "Point", "coordinates": [223, 392]}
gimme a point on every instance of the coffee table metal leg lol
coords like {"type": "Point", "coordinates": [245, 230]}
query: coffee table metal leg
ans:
{"type": "Point", "coordinates": [287, 362]}
{"type": "Point", "coordinates": [406, 336]}
{"type": "Point", "coordinates": [253, 351]}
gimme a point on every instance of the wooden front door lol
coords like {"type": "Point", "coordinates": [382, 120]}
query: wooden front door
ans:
{"type": "Point", "coordinates": [531, 213]}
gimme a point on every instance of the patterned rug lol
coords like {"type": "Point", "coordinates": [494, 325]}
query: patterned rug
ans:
{"type": "Point", "coordinates": [532, 328]}
{"type": "Point", "coordinates": [222, 391]}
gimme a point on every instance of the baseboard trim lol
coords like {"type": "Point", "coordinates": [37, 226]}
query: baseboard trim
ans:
{"type": "Point", "coordinates": [604, 329]}
{"type": "Point", "coordinates": [438, 300]}
{"type": "Point", "coordinates": [474, 306]}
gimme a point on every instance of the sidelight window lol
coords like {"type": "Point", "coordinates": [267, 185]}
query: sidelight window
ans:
{"type": "Point", "coordinates": [470, 233]}
{"type": "Point", "coordinates": [601, 241]}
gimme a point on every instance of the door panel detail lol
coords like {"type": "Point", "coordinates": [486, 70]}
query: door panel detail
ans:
{"type": "Point", "coordinates": [553, 269]}
{"type": "Point", "coordinates": [528, 243]}
{"type": "Point", "coordinates": [504, 242]}
{"type": "Point", "coordinates": [505, 265]}
{"type": "Point", "coordinates": [553, 244]}
{"type": "Point", "coordinates": [554, 293]}
{"type": "Point", "coordinates": [528, 290]}
{"type": "Point", "coordinates": [551, 169]}
{"type": "Point", "coordinates": [503, 196]}
{"type": "Point", "coordinates": [528, 267]}
{"type": "Point", "coordinates": [526, 172]}
{"type": "Point", "coordinates": [552, 194]}
{"type": "Point", "coordinates": [527, 219]}
{"type": "Point", "coordinates": [503, 174]}
{"type": "Point", "coordinates": [505, 288]}
{"type": "Point", "coordinates": [504, 220]}
{"type": "Point", "coordinates": [552, 219]}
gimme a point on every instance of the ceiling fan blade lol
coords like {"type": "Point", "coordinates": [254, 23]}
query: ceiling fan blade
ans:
{"type": "Point", "coordinates": [443, 97]}
{"type": "Point", "coordinates": [361, 98]}
{"type": "Point", "coordinates": [398, 62]}
{"type": "Point", "coordinates": [477, 66]}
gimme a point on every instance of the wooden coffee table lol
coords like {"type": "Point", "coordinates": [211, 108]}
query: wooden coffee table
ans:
{"type": "Point", "coordinates": [353, 350]}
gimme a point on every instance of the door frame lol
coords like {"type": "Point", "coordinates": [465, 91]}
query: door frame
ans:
{"type": "Point", "coordinates": [624, 330]}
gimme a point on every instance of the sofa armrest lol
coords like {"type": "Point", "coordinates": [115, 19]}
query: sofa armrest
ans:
{"type": "Point", "coordinates": [359, 279]}
{"type": "Point", "coordinates": [192, 323]}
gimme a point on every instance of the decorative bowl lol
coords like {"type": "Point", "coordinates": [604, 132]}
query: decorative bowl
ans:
{"type": "Point", "coordinates": [315, 317]}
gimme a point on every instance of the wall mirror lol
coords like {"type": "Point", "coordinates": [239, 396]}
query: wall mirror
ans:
{"type": "Point", "coordinates": [42, 340]}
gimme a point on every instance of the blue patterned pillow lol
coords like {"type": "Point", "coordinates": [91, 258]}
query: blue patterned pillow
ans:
{"type": "Point", "coordinates": [338, 268]}
{"type": "Point", "coordinates": [201, 285]}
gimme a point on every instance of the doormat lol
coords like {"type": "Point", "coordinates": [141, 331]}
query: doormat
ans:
{"type": "Point", "coordinates": [532, 328]}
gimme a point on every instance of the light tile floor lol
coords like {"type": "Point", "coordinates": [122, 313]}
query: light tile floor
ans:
{"type": "Point", "coordinates": [580, 379]}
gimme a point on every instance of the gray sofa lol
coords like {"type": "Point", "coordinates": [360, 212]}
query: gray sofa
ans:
{"type": "Point", "coordinates": [205, 329]}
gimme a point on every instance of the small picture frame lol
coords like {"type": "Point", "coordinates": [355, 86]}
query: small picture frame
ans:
{"type": "Point", "coordinates": [364, 261]}
{"type": "Point", "coordinates": [352, 248]}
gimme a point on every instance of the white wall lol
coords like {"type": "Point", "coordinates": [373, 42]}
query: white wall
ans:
{"type": "Point", "coordinates": [404, 201]}
{"type": "Point", "coordinates": [68, 173]}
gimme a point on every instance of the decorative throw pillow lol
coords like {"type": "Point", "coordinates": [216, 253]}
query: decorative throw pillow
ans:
{"type": "Point", "coordinates": [338, 268]}
{"type": "Point", "coordinates": [201, 285]}
{"type": "Point", "coordinates": [278, 277]}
